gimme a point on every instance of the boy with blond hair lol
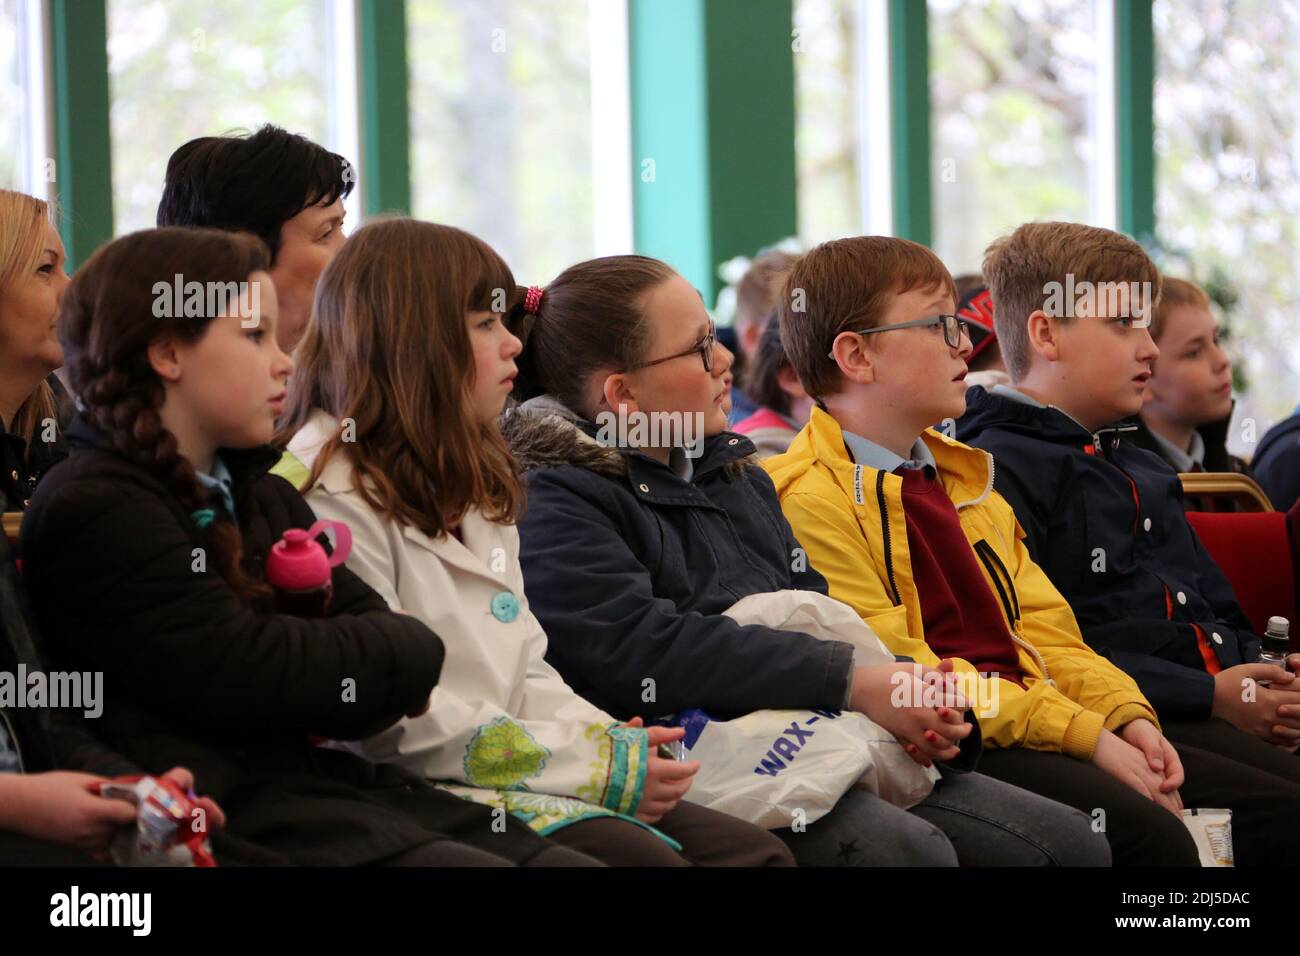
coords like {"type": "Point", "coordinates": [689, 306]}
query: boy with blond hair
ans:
{"type": "Point", "coordinates": [1104, 518]}
{"type": "Point", "coordinates": [1188, 402]}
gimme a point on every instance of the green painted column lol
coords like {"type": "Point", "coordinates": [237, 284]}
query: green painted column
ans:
{"type": "Point", "coordinates": [82, 146]}
{"type": "Point", "coordinates": [1135, 82]}
{"type": "Point", "coordinates": [909, 101]}
{"type": "Point", "coordinates": [384, 103]}
{"type": "Point", "coordinates": [712, 88]}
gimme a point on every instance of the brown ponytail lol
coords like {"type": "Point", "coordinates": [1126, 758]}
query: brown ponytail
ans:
{"type": "Point", "coordinates": [590, 318]}
{"type": "Point", "coordinates": [106, 324]}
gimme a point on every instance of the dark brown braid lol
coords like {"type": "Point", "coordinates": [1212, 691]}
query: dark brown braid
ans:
{"type": "Point", "coordinates": [106, 324]}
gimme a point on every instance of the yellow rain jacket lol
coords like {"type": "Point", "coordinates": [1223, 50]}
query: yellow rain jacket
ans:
{"type": "Point", "coordinates": [849, 520]}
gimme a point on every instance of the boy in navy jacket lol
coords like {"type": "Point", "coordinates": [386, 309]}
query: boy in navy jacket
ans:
{"type": "Point", "coordinates": [1104, 518]}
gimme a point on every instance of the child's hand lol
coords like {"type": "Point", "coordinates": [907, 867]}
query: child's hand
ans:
{"type": "Point", "coordinates": [666, 781]}
{"type": "Point", "coordinates": [927, 732]}
{"type": "Point", "coordinates": [213, 815]}
{"type": "Point", "coordinates": [1129, 766]}
{"type": "Point", "coordinates": [59, 807]}
{"type": "Point", "coordinates": [1273, 714]}
{"type": "Point", "coordinates": [1160, 753]}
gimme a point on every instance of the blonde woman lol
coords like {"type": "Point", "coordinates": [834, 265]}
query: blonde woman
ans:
{"type": "Point", "coordinates": [33, 405]}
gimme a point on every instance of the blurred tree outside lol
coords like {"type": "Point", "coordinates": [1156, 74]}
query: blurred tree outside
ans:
{"type": "Point", "coordinates": [1011, 87]}
{"type": "Point", "coordinates": [501, 126]}
{"type": "Point", "coordinates": [1012, 84]}
{"type": "Point", "coordinates": [1228, 185]}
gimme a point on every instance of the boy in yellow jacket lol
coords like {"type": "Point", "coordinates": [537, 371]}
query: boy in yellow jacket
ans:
{"type": "Point", "coordinates": [905, 526]}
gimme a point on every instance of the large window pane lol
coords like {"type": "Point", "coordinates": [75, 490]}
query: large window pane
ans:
{"type": "Point", "coordinates": [1228, 187]}
{"type": "Point", "coordinates": [501, 126]}
{"type": "Point", "coordinates": [826, 119]}
{"type": "Point", "coordinates": [181, 70]}
{"type": "Point", "coordinates": [1012, 87]}
{"type": "Point", "coordinates": [15, 143]}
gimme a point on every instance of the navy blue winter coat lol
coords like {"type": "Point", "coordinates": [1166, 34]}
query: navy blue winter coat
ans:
{"type": "Point", "coordinates": [1277, 463]}
{"type": "Point", "coordinates": [629, 568]}
{"type": "Point", "coordinates": [1104, 519]}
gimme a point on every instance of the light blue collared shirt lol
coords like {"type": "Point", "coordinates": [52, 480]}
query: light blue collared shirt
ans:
{"type": "Point", "coordinates": [1184, 459]}
{"type": "Point", "coordinates": [867, 453]}
{"type": "Point", "coordinates": [220, 482]}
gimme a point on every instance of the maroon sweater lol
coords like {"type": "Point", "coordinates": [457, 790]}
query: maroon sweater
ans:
{"type": "Point", "coordinates": [961, 614]}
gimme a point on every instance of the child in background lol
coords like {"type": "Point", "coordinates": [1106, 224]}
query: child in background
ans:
{"type": "Point", "coordinates": [1187, 406]}
{"type": "Point", "coordinates": [782, 406]}
{"type": "Point", "coordinates": [756, 294]}
{"type": "Point", "coordinates": [1276, 462]}
{"type": "Point", "coordinates": [143, 555]}
{"type": "Point", "coordinates": [975, 306]}
{"type": "Point", "coordinates": [404, 347]}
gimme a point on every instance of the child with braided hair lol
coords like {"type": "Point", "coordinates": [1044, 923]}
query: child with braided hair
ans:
{"type": "Point", "coordinates": [143, 554]}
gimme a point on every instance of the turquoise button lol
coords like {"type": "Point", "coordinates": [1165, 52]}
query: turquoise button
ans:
{"type": "Point", "coordinates": [505, 607]}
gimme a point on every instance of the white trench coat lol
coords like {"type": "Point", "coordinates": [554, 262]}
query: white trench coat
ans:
{"type": "Point", "coordinates": [503, 728]}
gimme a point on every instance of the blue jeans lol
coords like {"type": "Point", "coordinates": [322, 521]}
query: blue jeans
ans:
{"type": "Point", "coordinates": [968, 820]}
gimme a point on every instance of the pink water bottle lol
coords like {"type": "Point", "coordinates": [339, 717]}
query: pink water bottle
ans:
{"type": "Point", "coordinates": [299, 569]}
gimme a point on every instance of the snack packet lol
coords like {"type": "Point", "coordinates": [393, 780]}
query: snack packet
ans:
{"type": "Point", "coordinates": [163, 833]}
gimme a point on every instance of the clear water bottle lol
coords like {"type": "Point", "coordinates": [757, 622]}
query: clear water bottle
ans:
{"type": "Point", "coordinates": [1276, 644]}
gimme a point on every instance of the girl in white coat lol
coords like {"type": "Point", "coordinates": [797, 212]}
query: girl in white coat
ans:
{"type": "Point", "coordinates": [392, 416]}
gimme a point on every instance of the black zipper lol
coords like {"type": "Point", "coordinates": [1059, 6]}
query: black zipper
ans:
{"type": "Point", "coordinates": [993, 564]}
{"type": "Point", "coordinates": [884, 525]}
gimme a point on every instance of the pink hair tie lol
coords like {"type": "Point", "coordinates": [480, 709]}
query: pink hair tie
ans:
{"type": "Point", "coordinates": [533, 299]}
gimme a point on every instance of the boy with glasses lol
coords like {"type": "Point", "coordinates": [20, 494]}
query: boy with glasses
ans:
{"type": "Point", "coordinates": [905, 526]}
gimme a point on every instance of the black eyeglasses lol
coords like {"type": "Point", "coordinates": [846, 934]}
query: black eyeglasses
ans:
{"type": "Point", "coordinates": [704, 348]}
{"type": "Point", "coordinates": [953, 329]}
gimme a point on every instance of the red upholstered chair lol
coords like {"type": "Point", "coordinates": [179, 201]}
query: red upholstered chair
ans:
{"type": "Point", "coordinates": [1255, 546]}
{"type": "Point", "coordinates": [1255, 551]}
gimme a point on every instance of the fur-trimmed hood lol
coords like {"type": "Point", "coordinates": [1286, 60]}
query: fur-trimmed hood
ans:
{"type": "Point", "coordinates": [544, 433]}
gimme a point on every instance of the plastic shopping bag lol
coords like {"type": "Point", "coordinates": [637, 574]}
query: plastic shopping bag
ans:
{"type": "Point", "coordinates": [774, 768]}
